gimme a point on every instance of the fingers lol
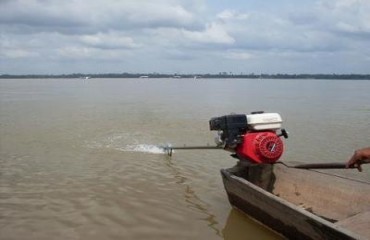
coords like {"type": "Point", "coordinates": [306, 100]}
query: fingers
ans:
{"type": "Point", "coordinates": [360, 162]}
{"type": "Point", "coordinates": [352, 161]}
{"type": "Point", "coordinates": [358, 158]}
{"type": "Point", "coordinates": [358, 166]}
{"type": "Point", "coordinates": [354, 165]}
{"type": "Point", "coordinates": [355, 162]}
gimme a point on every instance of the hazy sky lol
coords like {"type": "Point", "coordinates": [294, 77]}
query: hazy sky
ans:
{"type": "Point", "coordinates": [184, 36]}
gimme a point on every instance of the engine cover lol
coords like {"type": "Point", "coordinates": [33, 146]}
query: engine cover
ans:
{"type": "Point", "coordinates": [260, 147]}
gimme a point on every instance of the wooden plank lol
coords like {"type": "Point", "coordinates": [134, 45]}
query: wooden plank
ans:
{"type": "Point", "coordinates": [359, 223]}
{"type": "Point", "coordinates": [283, 216]}
{"type": "Point", "coordinates": [332, 197]}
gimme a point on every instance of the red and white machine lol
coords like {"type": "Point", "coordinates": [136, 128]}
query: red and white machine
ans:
{"type": "Point", "coordinates": [253, 137]}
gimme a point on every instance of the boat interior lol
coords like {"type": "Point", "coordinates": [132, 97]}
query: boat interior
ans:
{"type": "Point", "coordinates": [338, 199]}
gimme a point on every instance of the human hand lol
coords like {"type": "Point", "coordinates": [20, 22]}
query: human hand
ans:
{"type": "Point", "coordinates": [359, 157]}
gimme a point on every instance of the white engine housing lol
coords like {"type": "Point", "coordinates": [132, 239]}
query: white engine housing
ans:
{"type": "Point", "coordinates": [264, 121]}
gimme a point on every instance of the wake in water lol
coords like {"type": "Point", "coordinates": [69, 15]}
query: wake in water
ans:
{"type": "Point", "coordinates": [127, 142]}
{"type": "Point", "coordinates": [145, 148]}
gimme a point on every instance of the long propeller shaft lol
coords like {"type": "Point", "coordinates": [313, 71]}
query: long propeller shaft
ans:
{"type": "Point", "coordinates": [169, 149]}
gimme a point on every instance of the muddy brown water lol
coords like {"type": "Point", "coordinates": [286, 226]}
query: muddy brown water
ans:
{"type": "Point", "coordinates": [79, 158]}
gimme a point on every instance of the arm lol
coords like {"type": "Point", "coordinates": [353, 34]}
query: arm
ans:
{"type": "Point", "coordinates": [360, 156]}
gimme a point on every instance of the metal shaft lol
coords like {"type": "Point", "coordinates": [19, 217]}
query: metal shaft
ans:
{"type": "Point", "coordinates": [170, 149]}
{"type": "Point", "coordinates": [196, 147]}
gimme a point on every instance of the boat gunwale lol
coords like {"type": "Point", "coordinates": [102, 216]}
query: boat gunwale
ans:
{"type": "Point", "coordinates": [244, 182]}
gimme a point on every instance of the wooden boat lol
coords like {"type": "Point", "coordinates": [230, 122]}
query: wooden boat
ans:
{"type": "Point", "coordinates": [300, 203]}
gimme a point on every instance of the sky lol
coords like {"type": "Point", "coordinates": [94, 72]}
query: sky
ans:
{"type": "Point", "coordinates": [184, 36]}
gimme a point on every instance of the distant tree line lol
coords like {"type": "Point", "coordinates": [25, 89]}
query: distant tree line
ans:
{"type": "Point", "coordinates": [219, 75]}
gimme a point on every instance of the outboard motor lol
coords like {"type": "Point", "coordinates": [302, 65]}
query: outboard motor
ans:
{"type": "Point", "coordinates": [252, 137]}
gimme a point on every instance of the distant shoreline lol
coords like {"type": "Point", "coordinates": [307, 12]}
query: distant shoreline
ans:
{"type": "Point", "coordinates": [194, 76]}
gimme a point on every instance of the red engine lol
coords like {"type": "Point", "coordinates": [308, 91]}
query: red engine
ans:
{"type": "Point", "coordinates": [260, 147]}
{"type": "Point", "coordinates": [251, 137]}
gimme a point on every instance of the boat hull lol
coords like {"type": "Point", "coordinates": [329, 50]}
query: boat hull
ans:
{"type": "Point", "coordinates": [284, 217]}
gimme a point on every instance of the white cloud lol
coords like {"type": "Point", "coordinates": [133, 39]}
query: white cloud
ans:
{"type": "Point", "coordinates": [95, 16]}
{"type": "Point", "coordinates": [350, 16]}
{"type": "Point", "coordinates": [232, 15]}
{"type": "Point", "coordinates": [214, 33]}
{"type": "Point", "coordinates": [88, 53]}
{"type": "Point", "coordinates": [238, 55]}
{"type": "Point", "coordinates": [184, 32]}
{"type": "Point", "coordinates": [154, 12]}
{"type": "Point", "coordinates": [17, 53]}
{"type": "Point", "coordinates": [76, 52]}
{"type": "Point", "coordinates": [109, 41]}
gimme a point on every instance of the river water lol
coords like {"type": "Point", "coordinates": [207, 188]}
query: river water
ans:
{"type": "Point", "coordinates": [79, 158]}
